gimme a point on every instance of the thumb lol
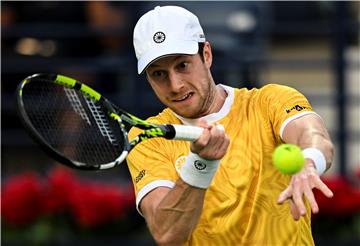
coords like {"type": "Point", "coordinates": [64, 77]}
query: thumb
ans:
{"type": "Point", "coordinates": [204, 124]}
{"type": "Point", "coordinates": [286, 194]}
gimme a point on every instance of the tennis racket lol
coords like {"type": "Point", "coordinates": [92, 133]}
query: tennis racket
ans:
{"type": "Point", "coordinates": [79, 127]}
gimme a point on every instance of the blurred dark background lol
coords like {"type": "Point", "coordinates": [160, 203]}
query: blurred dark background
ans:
{"type": "Point", "coordinates": [312, 46]}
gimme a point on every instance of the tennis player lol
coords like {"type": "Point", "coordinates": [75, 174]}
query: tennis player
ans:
{"type": "Point", "coordinates": [223, 188]}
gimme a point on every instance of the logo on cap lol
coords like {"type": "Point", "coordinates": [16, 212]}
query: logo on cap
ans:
{"type": "Point", "coordinates": [159, 37]}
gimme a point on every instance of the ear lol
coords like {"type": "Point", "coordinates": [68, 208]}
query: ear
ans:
{"type": "Point", "coordinates": [207, 53]}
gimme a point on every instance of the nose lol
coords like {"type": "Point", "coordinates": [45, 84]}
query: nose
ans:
{"type": "Point", "coordinates": [175, 81]}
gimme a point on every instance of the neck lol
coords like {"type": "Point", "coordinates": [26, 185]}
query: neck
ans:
{"type": "Point", "coordinates": [214, 102]}
{"type": "Point", "coordinates": [218, 98]}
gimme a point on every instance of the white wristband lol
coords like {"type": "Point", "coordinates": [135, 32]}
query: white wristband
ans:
{"type": "Point", "coordinates": [197, 171]}
{"type": "Point", "coordinates": [318, 157]}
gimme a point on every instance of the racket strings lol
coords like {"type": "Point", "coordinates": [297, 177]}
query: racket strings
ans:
{"type": "Point", "coordinates": [102, 122]}
{"type": "Point", "coordinates": [72, 124]}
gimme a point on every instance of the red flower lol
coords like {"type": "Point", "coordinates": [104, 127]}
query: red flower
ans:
{"type": "Point", "coordinates": [357, 173]}
{"type": "Point", "coordinates": [22, 199]}
{"type": "Point", "coordinates": [346, 200]}
{"type": "Point", "coordinates": [25, 198]}
{"type": "Point", "coordinates": [94, 204]}
{"type": "Point", "coordinates": [61, 182]}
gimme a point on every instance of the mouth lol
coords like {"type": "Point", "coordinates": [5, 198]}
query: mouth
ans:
{"type": "Point", "coordinates": [184, 97]}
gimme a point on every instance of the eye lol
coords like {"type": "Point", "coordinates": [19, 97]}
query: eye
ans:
{"type": "Point", "coordinates": [157, 73]}
{"type": "Point", "coordinates": [183, 65]}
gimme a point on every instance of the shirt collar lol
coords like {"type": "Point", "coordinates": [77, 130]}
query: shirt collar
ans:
{"type": "Point", "coordinates": [214, 117]}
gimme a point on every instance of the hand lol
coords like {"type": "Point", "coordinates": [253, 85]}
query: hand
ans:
{"type": "Point", "coordinates": [302, 184]}
{"type": "Point", "coordinates": [213, 142]}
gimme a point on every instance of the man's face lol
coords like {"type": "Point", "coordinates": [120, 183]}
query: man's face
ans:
{"type": "Point", "coordinates": [184, 83]}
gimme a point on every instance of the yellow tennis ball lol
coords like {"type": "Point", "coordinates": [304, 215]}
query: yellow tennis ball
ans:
{"type": "Point", "coordinates": [288, 158]}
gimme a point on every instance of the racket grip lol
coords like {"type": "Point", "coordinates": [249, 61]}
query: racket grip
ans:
{"type": "Point", "coordinates": [188, 133]}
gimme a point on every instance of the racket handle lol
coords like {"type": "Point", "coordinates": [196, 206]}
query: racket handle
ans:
{"type": "Point", "coordinates": [188, 133]}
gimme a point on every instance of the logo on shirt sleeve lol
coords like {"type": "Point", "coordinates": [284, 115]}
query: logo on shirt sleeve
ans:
{"type": "Point", "coordinates": [297, 107]}
{"type": "Point", "coordinates": [140, 176]}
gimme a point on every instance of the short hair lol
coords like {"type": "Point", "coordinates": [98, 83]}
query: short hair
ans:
{"type": "Point", "coordinates": [201, 51]}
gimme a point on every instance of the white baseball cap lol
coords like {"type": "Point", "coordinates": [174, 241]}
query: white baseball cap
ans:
{"type": "Point", "coordinates": [166, 30]}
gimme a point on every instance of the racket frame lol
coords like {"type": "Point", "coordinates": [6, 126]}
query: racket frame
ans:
{"type": "Point", "coordinates": [150, 130]}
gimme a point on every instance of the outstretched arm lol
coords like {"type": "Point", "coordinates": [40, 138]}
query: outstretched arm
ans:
{"type": "Point", "coordinates": [308, 131]}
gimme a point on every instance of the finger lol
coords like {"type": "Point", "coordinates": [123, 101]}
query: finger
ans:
{"type": "Point", "coordinates": [324, 189]}
{"type": "Point", "coordinates": [216, 147]}
{"type": "Point", "coordinates": [221, 148]}
{"type": "Point", "coordinates": [286, 194]}
{"type": "Point", "coordinates": [204, 124]}
{"type": "Point", "coordinates": [198, 145]}
{"type": "Point", "coordinates": [220, 127]}
{"type": "Point", "coordinates": [204, 139]}
{"type": "Point", "coordinates": [294, 210]}
{"type": "Point", "coordinates": [217, 138]}
{"type": "Point", "coordinates": [311, 198]}
{"type": "Point", "coordinates": [299, 202]}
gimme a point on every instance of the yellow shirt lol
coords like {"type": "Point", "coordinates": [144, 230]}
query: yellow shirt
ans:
{"type": "Point", "coordinates": [240, 205]}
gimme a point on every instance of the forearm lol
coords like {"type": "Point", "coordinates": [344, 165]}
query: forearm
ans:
{"type": "Point", "coordinates": [310, 132]}
{"type": "Point", "coordinates": [315, 138]}
{"type": "Point", "coordinates": [172, 214]}
{"type": "Point", "coordinates": [177, 214]}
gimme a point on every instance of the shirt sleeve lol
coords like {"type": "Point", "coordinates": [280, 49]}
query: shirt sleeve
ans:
{"type": "Point", "coordinates": [150, 165]}
{"type": "Point", "coordinates": [282, 105]}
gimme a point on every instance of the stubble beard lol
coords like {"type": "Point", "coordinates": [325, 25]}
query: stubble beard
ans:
{"type": "Point", "coordinates": [207, 99]}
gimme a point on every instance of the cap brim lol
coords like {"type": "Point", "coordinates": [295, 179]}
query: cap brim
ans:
{"type": "Point", "coordinates": [180, 48]}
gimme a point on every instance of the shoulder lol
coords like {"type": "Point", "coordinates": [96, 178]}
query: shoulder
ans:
{"type": "Point", "coordinates": [263, 93]}
{"type": "Point", "coordinates": [164, 117]}
{"type": "Point", "coordinates": [277, 92]}
{"type": "Point", "coordinates": [271, 92]}
{"type": "Point", "coordinates": [273, 88]}
{"type": "Point", "coordinates": [267, 89]}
